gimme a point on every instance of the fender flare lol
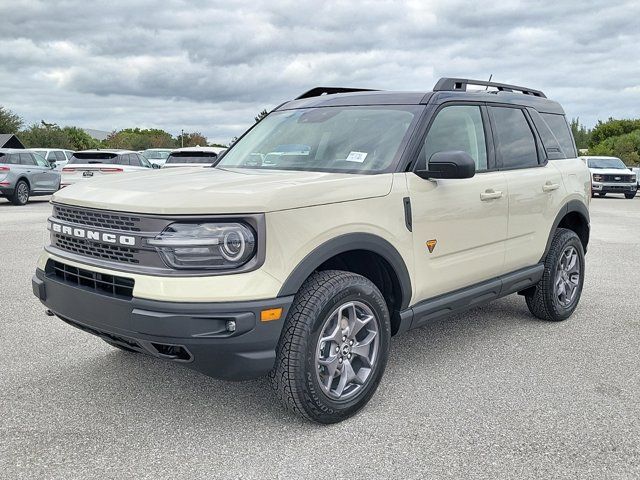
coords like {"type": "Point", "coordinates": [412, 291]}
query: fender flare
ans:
{"type": "Point", "coordinates": [570, 206]}
{"type": "Point", "coordinates": [345, 243]}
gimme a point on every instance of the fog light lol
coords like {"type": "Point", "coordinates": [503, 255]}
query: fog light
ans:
{"type": "Point", "coordinates": [231, 326]}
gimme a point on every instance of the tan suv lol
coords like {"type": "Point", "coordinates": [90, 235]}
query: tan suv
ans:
{"type": "Point", "coordinates": [342, 218]}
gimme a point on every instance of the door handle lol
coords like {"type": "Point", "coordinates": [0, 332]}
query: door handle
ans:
{"type": "Point", "coordinates": [550, 187]}
{"type": "Point", "coordinates": [490, 194]}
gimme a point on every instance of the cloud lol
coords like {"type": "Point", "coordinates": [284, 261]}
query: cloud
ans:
{"type": "Point", "coordinates": [211, 66]}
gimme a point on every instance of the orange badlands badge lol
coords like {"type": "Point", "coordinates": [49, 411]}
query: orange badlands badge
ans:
{"type": "Point", "coordinates": [431, 244]}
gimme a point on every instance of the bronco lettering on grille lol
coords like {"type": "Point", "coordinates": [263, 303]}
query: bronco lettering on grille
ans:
{"type": "Point", "coordinates": [93, 234]}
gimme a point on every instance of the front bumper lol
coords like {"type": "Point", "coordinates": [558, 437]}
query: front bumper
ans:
{"type": "Point", "coordinates": [194, 334]}
{"type": "Point", "coordinates": [599, 187]}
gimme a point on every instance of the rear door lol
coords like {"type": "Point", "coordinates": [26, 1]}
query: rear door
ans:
{"type": "Point", "coordinates": [536, 189]}
{"type": "Point", "coordinates": [35, 174]}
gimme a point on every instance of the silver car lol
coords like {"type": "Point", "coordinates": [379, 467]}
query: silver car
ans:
{"type": "Point", "coordinates": [24, 174]}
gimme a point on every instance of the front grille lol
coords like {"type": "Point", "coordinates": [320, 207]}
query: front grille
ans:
{"type": "Point", "coordinates": [617, 178]}
{"type": "Point", "coordinates": [96, 218]}
{"type": "Point", "coordinates": [105, 251]}
{"type": "Point", "coordinates": [99, 282]}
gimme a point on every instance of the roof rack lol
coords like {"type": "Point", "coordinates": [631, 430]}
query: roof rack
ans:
{"type": "Point", "coordinates": [318, 91]}
{"type": "Point", "coordinates": [460, 85]}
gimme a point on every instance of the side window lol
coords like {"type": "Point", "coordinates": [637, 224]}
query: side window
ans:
{"type": "Point", "coordinates": [14, 159]}
{"type": "Point", "coordinates": [515, 143]}
{"type": "Point", "coordinates": [458, 127]}
{"type": "Point", "coordinates": [123, 160]}
{"type": "Point", "coordinates": [27, 159]}
{"type": "Point", "coordinates": [59, 156]}
{"type": "Point", "coordinates": [41, 161]}
{"type": "Point", "coordinates": [134, 161]}
{"type": "Point", "coordinates": [560, 128]}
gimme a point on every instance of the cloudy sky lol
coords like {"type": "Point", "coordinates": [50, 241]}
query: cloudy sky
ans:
{"type": "Point", "coordinates": [210, 66]}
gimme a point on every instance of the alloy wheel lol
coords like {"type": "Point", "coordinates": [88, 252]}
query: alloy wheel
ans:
{"type": "Point", "coordinates": [347, 350]}
{"type": "Point", "coordinates": [567, 278]}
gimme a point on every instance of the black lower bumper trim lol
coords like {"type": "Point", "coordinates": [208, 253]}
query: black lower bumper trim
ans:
{"type": "Point", "coordinates": [194, 334]}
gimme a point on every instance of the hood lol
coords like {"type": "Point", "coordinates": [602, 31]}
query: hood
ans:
{"type": "Point", "coordinates": [612, 171]}
{"type": "Point", "coordinates": [183, 191]}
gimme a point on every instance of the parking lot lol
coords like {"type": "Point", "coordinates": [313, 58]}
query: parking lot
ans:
{"type": "Point", "coordinates": [492, 393]}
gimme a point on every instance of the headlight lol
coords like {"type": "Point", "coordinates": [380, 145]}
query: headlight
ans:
{"type": "Point", "coordinates": [212, 246]}
{"type": "Point", "coordinates": [597, 177]}
{"type": "Point", "coordinates": [633, 178]}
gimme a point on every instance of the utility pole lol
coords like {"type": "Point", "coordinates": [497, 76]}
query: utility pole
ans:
{"type": "Point", "coordinates": [182, 138]}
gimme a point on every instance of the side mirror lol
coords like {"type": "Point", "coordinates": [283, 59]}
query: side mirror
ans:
{"type": "Point", "coordinates": [155, 165]}
{"type": "Point", "coordinates": [453, 164]}
{"type": "Point", "coordinates": [52, 165]}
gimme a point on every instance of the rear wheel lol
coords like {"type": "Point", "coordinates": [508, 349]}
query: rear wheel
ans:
{"type": "Point", "coordinates": [20, 194]}
{"type": "Point", "coordinates": [556, 295]}
{"type": "Point", "coordinates": [629, 196]}
{"type": "Point", "coordinates": [334, 347]}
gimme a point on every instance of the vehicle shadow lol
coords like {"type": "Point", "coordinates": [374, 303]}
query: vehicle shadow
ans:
{"type": "Point", "coordinates": [147, 388]}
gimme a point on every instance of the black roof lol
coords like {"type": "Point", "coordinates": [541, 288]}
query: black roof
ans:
{"type": "Point", "coordinates": [447, 89]}
{"type": "Point", "coordinates": [9, 140]}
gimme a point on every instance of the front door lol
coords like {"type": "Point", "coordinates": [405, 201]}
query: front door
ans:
{"type": "Point", "coordinates": [459, 225]}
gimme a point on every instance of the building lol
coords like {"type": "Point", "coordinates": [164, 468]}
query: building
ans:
{"type": "Point", "coordinates": [9, 140]}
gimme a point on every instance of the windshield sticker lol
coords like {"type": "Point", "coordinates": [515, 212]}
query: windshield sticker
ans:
{"type": "Point", "coordinates": [356, 157]}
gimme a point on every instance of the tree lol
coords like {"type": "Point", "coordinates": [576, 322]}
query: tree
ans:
{"type": "Point", "coordinates": [261, 115]}
{"type": "Point", "coordinates": [9, 122]}
{"type": "Point", "coordinates": [581, 134]}
{"type": "Point", "coordinates": [79, 139]}
{"type": "Point", "coordinates": [139, 139]}
{"type": "Point", "coordinates": [612, 128]}
{"type": "Point", "coordinates": [194, 139]}
{"type": "Point", "coordinates": [45, 135]}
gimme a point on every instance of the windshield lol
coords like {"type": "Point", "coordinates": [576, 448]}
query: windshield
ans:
{"type": "Point", "coordinates": [606, 163]}
{"type": "Point", "coordinates": [360, 139]}
{"type": "Point", "coordinates": [192, 157]}
{"type": "Point", "coordinates": [155, 154]}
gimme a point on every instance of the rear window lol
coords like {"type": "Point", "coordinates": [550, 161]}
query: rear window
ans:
{"type": "Point", "coordinates": [94, 157]}
{"type": "Point", "coordinates": [560, 128]}
{"type": "Point", "coordinates": [192, 157]}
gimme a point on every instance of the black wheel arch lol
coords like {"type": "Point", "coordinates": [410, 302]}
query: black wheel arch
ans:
{"type": "Point", "coordinates": [574, 215]}
{"type": "Point", "coordinates": [354, 244]}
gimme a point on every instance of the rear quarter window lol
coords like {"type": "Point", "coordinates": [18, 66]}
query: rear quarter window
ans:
{"type": "Point", "coordinates": [560, 129]}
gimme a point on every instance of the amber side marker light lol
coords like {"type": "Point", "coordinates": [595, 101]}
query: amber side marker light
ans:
{"type": "Point", "coordinates": [271, 314]}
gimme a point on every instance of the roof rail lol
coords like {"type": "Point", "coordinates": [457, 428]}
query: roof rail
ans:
{"type": "Point", "coordinates": [460, 85]}
{"type": "Point", "coordinates": [318, 91]}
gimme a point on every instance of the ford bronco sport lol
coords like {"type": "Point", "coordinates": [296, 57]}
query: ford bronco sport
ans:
{"type": "Point", "coordinates": [341, 219]}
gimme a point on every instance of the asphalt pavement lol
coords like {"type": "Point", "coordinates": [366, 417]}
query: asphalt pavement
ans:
{"type": "Point", "coordinates": [492, 393]}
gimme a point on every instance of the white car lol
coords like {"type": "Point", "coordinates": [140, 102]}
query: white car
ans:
{"type": "Point", "coordinates": [96, 163]}
{"type": "Point", "coordinates": [611, 175]}
{"type": "Point", "coordinates": [193, 157]}
{"type": "Point", "coordinates": [56, 156]}
{"type": "Point", "coordinates": [157, 156]}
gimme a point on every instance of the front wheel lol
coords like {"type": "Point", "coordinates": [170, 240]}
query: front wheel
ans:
{"type": "Point", "coordinates": [556, 295]}
{"type": "Point", "coordinates": [629, 196]}
{"type": "Point", "coordinates": [334, 347]}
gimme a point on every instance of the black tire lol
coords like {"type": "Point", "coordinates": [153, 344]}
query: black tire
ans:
{"type": "Point", "coordinates": [629, 196]}
{"type": "Point", "coordinates": [294, 376]}
{"type": "Point", "coordinates": [18, 197]}
{"type": "Point", "coordinates": [121, 347]}
{"type": "Point", "coordinates": [541, 300]}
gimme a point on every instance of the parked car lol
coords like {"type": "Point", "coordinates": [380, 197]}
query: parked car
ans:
{"type": "Point", "coordinates": [193, 157]}
{"type": "Point", "coordinates": [97, 163]}
{"type": "Point", "coordinates": [611, 175]}
{"type": "Point", "coordinates": [157, 155]}
{"type": "Point", "coordinates": [57, 156]}
{"type": "Point", "coordinates": [636, 170]}
{"type": "Point", "coordinates": [25, 174]}
{"type": "Point", "coordinates": [400, 208]}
